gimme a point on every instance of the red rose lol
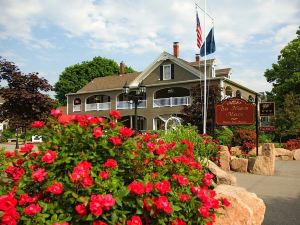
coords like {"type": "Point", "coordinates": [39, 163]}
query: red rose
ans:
{"type": "Point", "coordinates": [25, 198]}
{"type": "Point", "coordinates": [56, 112]}
{"type": "Point", "coordinates": [136, 187]}
{"type": "Point", "coordinates": [115, 140]}
{"type": "Point", "coordinates": [87, 181]}
{"type": "Point", "coordinates": [65, 119]}
{"type": "Point", "coordinates": [99, 222]}
{"type": "Point", "coordinates": [37, 124]}
{"type": "Point", "coordinates": [112, 124]}
{"type": "Point", "coordinates": [126, 132]}
{"type": "Point", "coordinates": [10, 217]}
{"type": "Point", "coordinates": [97, 132]}
{"type": "Point", "coordinates": [178, 222]}
{"type": "Point", "coordinates": [15, 173]}
{"type": "Point", "coordinates": [148, 187]}
{"type": "Point", "coordinates": [147, 202]}
{"type": "Point", "coordinates": [49, 156]}
{"type": "Point", "coordinates": [159, 162]}
{"type": "Point", "coordinates": [151, 146]}
{"type": "Point", "coordinates": [104, 175]}
{"type": "Point", "coordinates": [108, 201]}
{"type": "Point", "coordinates": [81, 209]}
{"type": "Point", "coordinates": [56, 188]}
{"type": "Point", "coordinates": [39, 175]}
{"type": "Point", "coordinates": [99, 201]}
{"type": "Point", "coordinates": [9, 154]}
{"type": "Point", "coordinates": [204, 211]}
{"type": "Point", "coordinates": [162, 203]}
{"type": "Point", "coordinates": [225, 202]}
{"type": "Point", "coordinates": [26, 148]}
{"type": "Point", "coordinates": [163, 187]}
{"type": "Point", "coordinates": [111, 163]}
{"type": "Point", "coordinates": [183, 197]}
{"type": "Point", "coordinates": [161, 150]}
{"type": "Point", "coordinates": [7, 202]}
{"type": "Point", "coordinates": [135, 220]}
{"type": "Point", "coordinates": [115, 114]}
{"type": "Point", "coordinates": [182, 180]}
{"type": "Point", "coordinates": [32, 209]}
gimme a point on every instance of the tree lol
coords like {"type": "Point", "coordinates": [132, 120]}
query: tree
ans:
{"type": "Point", "coordinates": [74, 77]}
{"type": "Point", "coordinates": [193, 113]}
{"type": "Point", "coordinates": [285, 77]}
{"type": "Point", "coordinates": [23, 100]}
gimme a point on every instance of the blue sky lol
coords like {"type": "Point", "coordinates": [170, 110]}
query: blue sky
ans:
{"type": "Point", "coordinates": [46, 36]}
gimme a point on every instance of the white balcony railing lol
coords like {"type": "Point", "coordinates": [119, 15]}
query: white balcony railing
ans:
{"type": "Point", "coordinates": [76, 108]}
{"type": "Point", "coordinates": [130, 105]}
{"type": "Point", "coordinates": [98, 106]}
{"type": "Point", "coordinates": [170, 102]}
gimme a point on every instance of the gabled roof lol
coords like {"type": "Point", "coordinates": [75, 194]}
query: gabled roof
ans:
{"type": "Point", "coordinates": [109, 82]}
{"type": "Point", "coordinates": [201, 62]}
{"type": "Point", "coordinates": [162, 57]}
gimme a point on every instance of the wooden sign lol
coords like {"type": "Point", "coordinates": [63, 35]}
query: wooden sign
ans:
{"type": "Point", "coordinates": [267, 109]}
{"type": "Point", "coordinates": [235, 111]}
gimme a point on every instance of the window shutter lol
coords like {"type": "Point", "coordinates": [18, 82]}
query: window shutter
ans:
{"type": "Point", "coordinates": [161, 72]}
{"type": "Point", "coordinates": [172, 71]}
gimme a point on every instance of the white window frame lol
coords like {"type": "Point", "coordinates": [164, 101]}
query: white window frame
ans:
{"type": "Point", "coordinates": [164, 74]}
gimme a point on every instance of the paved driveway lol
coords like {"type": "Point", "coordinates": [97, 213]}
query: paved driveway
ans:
{"type": "Point", "coordinates": [281, 193]}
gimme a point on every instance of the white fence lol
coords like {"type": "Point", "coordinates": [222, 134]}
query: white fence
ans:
{"type": "Point", "coordinates": [130, 105]}
{"type": "Point", "coordinates": [173, 101]}
{"type": "Point", "coordinates": [97, 106]}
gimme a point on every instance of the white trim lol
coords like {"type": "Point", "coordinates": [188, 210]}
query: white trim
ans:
{"type": "Point", "coordinates": [67, 104]}
{"type": "Point", "coordinates": [170, 76]}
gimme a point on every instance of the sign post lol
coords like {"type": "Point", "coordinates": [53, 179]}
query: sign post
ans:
{"type": "Point", "coordinates": [256, 122]}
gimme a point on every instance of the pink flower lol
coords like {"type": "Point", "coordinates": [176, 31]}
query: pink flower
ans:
{"type": "Point", "coordinates": [126, 132]}
{"type": "Point", "coordinates": [104, 175]}
{"type": "Point", "coordinates": [135, 220]}
{"type": "Point", "coordinates": [32, 209]}
{"type": "Point", "coordinates": [49, 156]}
{"type": "Point", "coordinates": [110, 163]}
{"type": "Point", "coordinates": [56, 112]}
{"type": "Point", "coordinates": [97, 132]}
{"type": "Point", "coordinates": [115, 140]}
{"type": "Point", "coordinates": [81, 209]}
{"type": "Point", "coordinates": [115, 114]}
{"type": "Point", "coordinates": [56, 188]}
{"type": "Point", "coordinates": [39, 175]}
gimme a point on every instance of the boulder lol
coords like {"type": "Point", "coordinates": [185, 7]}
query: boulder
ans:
{"type": "Point", "coordinates": [283, 154]}
{"type": "Point", "coordinates": [296, 154]}
{"type": "Point", "coordinates": [264, 164]}
{"type": "Point", "coordinates": [239, 164]}
{"type": "Point", "coordinates": [253, 151]}
{"type": "Point", "coordinates": [245, 207]}
{"type": "Point", "coordinates": [224, 158]}
{"type": "Point", "coordinates": [222, 176]}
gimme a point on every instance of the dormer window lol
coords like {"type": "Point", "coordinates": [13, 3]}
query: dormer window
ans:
{"type": "Point", "coordinates": [167, 72]}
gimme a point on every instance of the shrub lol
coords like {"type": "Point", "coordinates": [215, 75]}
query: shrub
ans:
{"type": "Point", "coordinates": [265, 138]}
{"type": "Point", "coordinates": [93, 171]}
{"type": "Point", "coordinates": [205, 146]}
{"type": "Point", "coordinates": [224, 136]}
{"type": "Point", "coordinates": [245, 139]}
{"type": "Point", "coordinates": [292, 144]}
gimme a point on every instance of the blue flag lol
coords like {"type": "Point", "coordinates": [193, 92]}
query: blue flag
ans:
{"type": "Point", "coordinates": [210, 44]}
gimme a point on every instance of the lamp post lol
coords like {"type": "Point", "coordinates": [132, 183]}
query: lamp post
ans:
{"type": "Point", "coordinates": [135, 98]}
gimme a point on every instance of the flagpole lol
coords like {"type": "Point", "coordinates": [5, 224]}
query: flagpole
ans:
{"type": "Point", "coordinates": [204, 103]}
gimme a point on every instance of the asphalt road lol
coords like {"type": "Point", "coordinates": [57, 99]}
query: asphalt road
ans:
{"type": "Point", "coordinates": [281, 192]}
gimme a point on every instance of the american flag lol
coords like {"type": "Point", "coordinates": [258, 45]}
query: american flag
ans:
{"type": "Point", "coordinates": [199, 32]}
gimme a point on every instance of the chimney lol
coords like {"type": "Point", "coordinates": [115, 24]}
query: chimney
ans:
{"type": "Point", "coordinates": [176, 49]}
{"type": "Point", "coordinates": [197, 57]}
{"type": "Point", "coordinates": [122, 68]}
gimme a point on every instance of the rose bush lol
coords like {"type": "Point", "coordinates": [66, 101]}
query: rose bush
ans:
{"type": "Point", "coordinates": [92, 170]}
{"type": "Point", "coordinates": [245, 138]}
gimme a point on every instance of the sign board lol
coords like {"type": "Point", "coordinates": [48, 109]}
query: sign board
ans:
{"type": "Point", "coordinates": [36, 139]}
{"type": "Point", "coordinates": [235, 111]}
{"type": "Point", "coordinates": [267, 109]}
{"type": "Point", "coordinates": [267, 128]}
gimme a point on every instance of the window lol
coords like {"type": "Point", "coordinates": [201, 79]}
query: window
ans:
{"type": "Point", "coordinates": [228, 91]}
{"type": "Point", "coordinates": [238, 94]}
{"type": "Point", "coordinates": [167, 72]}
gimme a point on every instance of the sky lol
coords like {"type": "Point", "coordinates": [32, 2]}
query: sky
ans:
{"type": "Point", "coordinates": [46, 36]}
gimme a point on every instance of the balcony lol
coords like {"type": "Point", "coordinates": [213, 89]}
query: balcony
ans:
{"type": "Point", "coordinates": [76, 108]}
{"type": "Point", "coordinates": [171, 102]}
{"type": "Point", "coordinates": [98, 106]}
{"type": "Point", "coordinates": [129, 105]}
